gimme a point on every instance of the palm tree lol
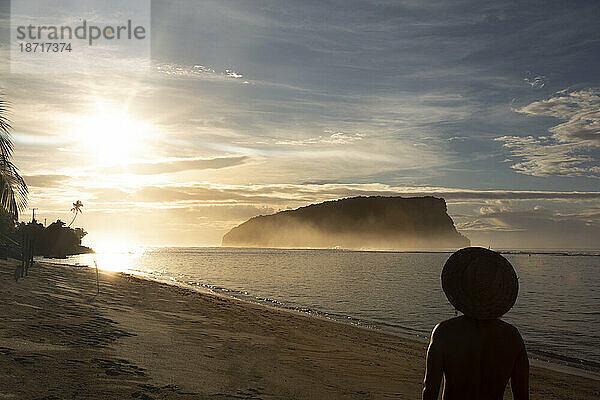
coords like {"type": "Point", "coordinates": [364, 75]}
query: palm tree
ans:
{"type": "Point", "coordinates": [13, 189]}
{"type": "Point", "coordinates": [76, 210]}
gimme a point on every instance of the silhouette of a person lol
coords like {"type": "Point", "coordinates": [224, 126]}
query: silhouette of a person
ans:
{"type": "Point", "coordinates": [477, 353]}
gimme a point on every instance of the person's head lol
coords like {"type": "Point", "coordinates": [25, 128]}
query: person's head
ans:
{"type": "Point", "coordinates": [480, 283]}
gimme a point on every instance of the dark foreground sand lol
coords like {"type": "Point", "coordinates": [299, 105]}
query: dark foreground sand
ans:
{"type": "Point", "coordinates": [145, 340]}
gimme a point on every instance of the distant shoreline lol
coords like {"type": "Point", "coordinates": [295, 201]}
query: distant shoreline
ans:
{"type": "Point", "coordinates": [557, 252]}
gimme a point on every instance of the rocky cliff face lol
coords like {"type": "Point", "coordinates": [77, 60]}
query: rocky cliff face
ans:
{"type": "Point", "coordinates": [354, 223]}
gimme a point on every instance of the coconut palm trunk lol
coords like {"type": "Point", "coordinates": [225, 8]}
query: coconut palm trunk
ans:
{"type": "Point", "coordinates": [76, 210]}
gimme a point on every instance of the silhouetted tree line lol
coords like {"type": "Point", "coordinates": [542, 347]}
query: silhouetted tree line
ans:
{"type": "Point", "coordinates": [55, 240]}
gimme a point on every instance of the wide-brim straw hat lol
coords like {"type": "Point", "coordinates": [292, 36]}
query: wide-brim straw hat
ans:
{"type": "Point", "coordinates": [480, 283]}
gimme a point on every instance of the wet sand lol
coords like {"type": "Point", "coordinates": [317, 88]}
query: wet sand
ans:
{"type": "Point", "coordinates": [140, 339]}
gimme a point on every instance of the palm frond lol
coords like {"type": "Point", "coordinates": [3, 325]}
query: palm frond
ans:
{"type": "Point", "coordinates": [13, 189]}
{"type": "Point", "coordinates": [6, 144]}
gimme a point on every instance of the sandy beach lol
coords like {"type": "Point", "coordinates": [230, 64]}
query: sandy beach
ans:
{"type": "Point", "coordinates": [141, 339]}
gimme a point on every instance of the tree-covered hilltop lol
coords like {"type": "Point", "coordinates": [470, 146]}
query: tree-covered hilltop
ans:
{"type": "Point", "coordinates": [356, 223]}
{"type": "Point", "coordinates": [55, 240]}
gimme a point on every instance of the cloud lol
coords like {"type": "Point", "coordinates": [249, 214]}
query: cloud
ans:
{"type": "Point", "coordinates": [175, 70]}
{"type": "Point", "coordinates": [46, 180]}
{"type": "Point", "coordinates": [510, 224]}
{"type": "Point", "coordinates": [535, 81]}
{"type": "Point", "coordinates": [571, 148]}
{"type": "Point", "coordinates": [283, 195]}
{"type": "Point", "coordinates": [343, 138]}
{"type": "Point", "coordinates": [544, 156]}
{"type": "Point", "coordinates": [177, 165]}
{"type": "Point", "coordinates": [485, 225]}
{"type": "Point", "coordinates": [232, 74]}
{"type": "Point", "coordinates": [331, 138]}
{"type": "Point", "coordinates": [580, 109]}
{"type": "Point", "coordinates": [507, 210]}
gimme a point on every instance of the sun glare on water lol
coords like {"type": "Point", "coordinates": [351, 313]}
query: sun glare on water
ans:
{"type": "Point", "coordinates": [116, 256]}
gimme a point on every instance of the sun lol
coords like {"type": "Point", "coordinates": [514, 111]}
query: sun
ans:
{"type": "Point", "coordinates": [111, 136]}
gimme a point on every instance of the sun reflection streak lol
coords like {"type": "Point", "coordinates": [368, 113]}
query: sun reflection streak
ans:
{"type": "Point", "coordinates": [116, 257]}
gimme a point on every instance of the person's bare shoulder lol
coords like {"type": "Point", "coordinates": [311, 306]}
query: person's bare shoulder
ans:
{"type": "Point", "coordinates": [447, 327]}
{"type": "Point", "coordinates": [506, 327]}
{"type": "Point", "coordinates": [463, 323]}
{"type": "Point", "coordinates": [451, 323]}
{"type": "Point", "coordinates": [510, 330]}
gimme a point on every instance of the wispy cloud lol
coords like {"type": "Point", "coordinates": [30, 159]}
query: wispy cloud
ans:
{"type": "Point", "coordinates": [538, 226]}
{"type": "Point", "coordinates": [330, 138]}
{"type": "Point", "coordinates": [545, 156]}
{"type": "Point", "coordinates": [284, 195]}
{"type": "Point", "coordinates": [572, 146]}
{"type": "Point", "coordinates": [580, 110]}
{"type": "Point", "coordinates": [171, 165]}
{"type": "Point", "coordinates": [193, 71]}
{"type": "Point", "coordinates": [535, 81]}
{"type": "Point", "coordinates": [46, 180]}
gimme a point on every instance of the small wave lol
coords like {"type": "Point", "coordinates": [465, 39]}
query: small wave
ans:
{"type": "Point", "coordinates": [586, 365]}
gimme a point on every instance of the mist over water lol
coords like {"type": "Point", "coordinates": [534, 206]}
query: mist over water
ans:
{"type": "Point", "coordinates": [556, 311]}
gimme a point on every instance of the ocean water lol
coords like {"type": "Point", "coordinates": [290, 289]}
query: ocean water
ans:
{"type": "Point", "coordinates": [557, 311]}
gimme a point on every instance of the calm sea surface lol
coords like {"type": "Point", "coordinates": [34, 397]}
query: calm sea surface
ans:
{"type": "Point", "coordinates": [557, 311]}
